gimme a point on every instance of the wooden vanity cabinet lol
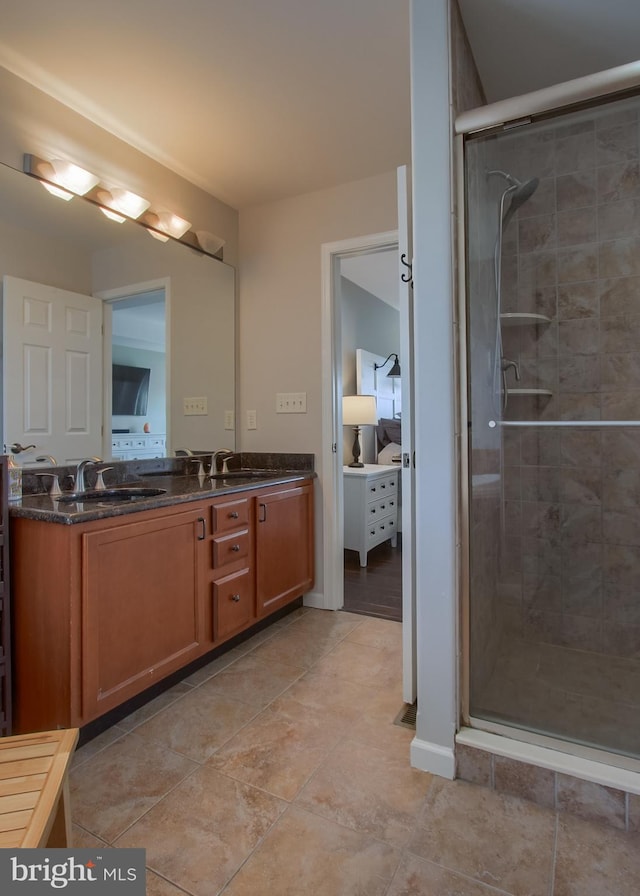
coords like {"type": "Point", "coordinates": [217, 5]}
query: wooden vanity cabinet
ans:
{"type": "Point", "coordinates": [284, 546]}
{"type": "Point", "coordinates": [105, 609]}
{"type": "Point", "coordinates": [142, 613]}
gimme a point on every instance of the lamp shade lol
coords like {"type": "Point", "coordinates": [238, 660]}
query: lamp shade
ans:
{"type": "Point", "coordinates": [359, 410]}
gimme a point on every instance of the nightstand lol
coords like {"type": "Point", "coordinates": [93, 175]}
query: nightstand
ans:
{"type": "Point", "coordinates": [370, 507]}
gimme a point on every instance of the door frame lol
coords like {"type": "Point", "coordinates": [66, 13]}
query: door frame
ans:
{"type": "Point", "coordinates": [332, 491]}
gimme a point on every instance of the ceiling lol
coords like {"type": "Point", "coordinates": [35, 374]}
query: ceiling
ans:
{"type": "Point", "coordinates": [256, 100]}
{"type": "Point", "coordinates": [375, 272]}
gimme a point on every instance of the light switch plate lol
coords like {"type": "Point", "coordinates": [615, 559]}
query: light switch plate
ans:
{"type": "Point", "coordinates": [194, 407]}
{"type": "Point", "coordinates": [291, 403]}
{"type": "Point", "coordinates": [229, 420]}
{"type": "Point", "coordinates": [252, 420]}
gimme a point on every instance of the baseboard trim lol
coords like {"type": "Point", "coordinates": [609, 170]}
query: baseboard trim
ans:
{"type": "Point", "coordinates": [434, 758]}
{"type": "Point", "coordinates": [315, 599]}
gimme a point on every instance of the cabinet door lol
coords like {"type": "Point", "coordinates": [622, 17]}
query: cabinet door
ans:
{"type": "Point", "coordinates": [284, 547]}
{"type": "Point", "coordinates": [141, 606]}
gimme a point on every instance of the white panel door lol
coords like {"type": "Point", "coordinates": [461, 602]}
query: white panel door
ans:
{"type": "Point", "coordinates": [52, 371]}
{"type": "Point", "coordinates": [405, 255]}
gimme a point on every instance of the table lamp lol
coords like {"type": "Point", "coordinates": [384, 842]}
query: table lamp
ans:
{"type": "Point", "coordinates": [357, 411]}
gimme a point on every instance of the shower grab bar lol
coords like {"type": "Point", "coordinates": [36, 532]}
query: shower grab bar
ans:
{"type": "Point", "coordinates": [591, 423]}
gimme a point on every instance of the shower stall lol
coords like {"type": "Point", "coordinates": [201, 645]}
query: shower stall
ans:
{"type": "Point", "coordinates": [552, 209]}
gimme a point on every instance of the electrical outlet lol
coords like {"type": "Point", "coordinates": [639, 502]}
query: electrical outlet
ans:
{"type": "Point", "coordinates": [291, 403]}
{"type": "Point", "coordinates": [229, 420]}
{"type": "Point", "coordinates": [194, 407]}
{"type": "Point", "coordinates": [252, 420]}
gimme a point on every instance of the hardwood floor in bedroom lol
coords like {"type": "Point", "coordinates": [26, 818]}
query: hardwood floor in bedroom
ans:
{"type": "Point", "coordinates": [376, 589]}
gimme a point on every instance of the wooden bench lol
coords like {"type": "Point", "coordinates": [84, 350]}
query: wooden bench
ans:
{"type": "Point", "coordinates": [34, 789]}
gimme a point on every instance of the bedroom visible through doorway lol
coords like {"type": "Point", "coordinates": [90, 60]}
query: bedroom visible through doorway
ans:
{"type": "Point", "coordinates": [370, 341]}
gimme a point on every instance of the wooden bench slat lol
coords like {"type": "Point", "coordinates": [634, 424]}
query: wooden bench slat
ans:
{"type": "Point", "coordinates": [15, 821]}
{"type": "Point", "coordinates": [22, 784]}
{"type": "Point", "coordinates": [24, 767]}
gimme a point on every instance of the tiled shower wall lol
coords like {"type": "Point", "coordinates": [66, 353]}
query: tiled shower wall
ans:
{"type": "Point", "coordinates": [570, 568]}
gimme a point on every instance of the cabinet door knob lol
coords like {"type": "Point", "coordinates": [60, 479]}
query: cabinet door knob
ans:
{"type": "Point", "coordinates": [234, 515]}
{"type": "Point", "coordinates": [235, 547]}
{"type": "Point", "coordinates": [235, 598]}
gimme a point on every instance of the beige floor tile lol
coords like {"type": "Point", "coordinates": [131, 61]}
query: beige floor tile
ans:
{"type": "Point", "coordinates": [368, 790]}
{"type": "Point", "coordinates": [298, 646]}
{"type": "Point", "coordinates": [375, 723]}
{"type": "Point", "coordinates": [202, 832]}
{"type": "Point", "coordinates": [197, 724]}
{"type": "Point", "coordinates": [340, 623]}
{"type": "Point", "coordinates": [341, 703]}
{"type": "Point", "coordinates": [158, 886]}
{"type": "Point", "coordinates": [499, 840]}
{"type": "Point", "coordinates": [276, 753]}
{"type": "Point", "coordinates": [377, 633]}
{"type": "Point", "coordinates": [253, 681]}
{"type": "Point", "coordinates": [90, 749]}
{"type": "Point", "coordinates": [415, 877]}
{"type": "Point", "coordinates": [206, 672]}
{"type": "Point", "coordinates": [121, 783]}
{"type": "Point", "coordinates": [306, 854]}
{"type": "Point", "coordinates": [595, 860]}
{"type": "Point", "coordinates": [81, 839]}
{"type": "Point", "coordinates": [360, 664]}
{"type": "Point", "coordinates": [154, 706]}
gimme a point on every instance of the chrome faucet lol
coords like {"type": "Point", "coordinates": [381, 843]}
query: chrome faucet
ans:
{"type": "Point", "coordinates": [79, 484]}
{"type": "Point", "coordinates": [43, 458]}
{"type": "Point", "coordinates": [221, 452]}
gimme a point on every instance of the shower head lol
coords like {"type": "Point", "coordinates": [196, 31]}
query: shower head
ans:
{"type": "Point", "coordinates": [518, 192]}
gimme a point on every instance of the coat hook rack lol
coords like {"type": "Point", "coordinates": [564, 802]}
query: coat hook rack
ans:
{"type": "Point", "coordinates": [406, 278]}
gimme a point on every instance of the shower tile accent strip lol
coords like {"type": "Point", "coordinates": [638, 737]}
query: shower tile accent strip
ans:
{"type": "Point", "coordinates": [554, 790]}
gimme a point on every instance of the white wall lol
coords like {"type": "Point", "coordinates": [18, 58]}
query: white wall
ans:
{"type": "Point", "coordinates": [280, 309]}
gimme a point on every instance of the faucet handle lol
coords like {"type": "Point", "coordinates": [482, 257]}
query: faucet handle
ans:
{"type": "Point", "coordinates": [54, 491]}
{"type": "Point", "coordinates": [99, 480]}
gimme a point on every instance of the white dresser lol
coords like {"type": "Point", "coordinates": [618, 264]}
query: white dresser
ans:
{"type": "Point", "coordinates": [370, 507]}
{"type": "Point", "coordinates": [137, 445]}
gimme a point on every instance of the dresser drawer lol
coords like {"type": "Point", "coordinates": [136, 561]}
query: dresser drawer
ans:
{"type": "Point", "coordinates": [381, 507]}
{"type": "Point", "coordinates": [378, 488]}
{"type": "Point", "coordinates": [230, 548]}
{"type": "Point", "coordinates": [232, 603]}
{"type": "Point", "coordinates": [380, 531]}
{"type": "Point", "coordinates": [231, 515]}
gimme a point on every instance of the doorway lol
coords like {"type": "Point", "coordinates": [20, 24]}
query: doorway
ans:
{"type": "Point", "coordinates": [136, 341]}
{"type": "Point", "coordinates": [368, 302]}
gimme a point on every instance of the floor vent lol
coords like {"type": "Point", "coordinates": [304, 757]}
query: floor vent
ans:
{"type": "Point", "coordinates": [406, 718]}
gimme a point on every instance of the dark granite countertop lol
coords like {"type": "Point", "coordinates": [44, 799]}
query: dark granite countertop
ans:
{"type": "Point", "coordinates": [179, 488]}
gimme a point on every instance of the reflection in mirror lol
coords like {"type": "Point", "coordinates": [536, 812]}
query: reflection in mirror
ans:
{"type": "Point", "coordinates": [65, 248]}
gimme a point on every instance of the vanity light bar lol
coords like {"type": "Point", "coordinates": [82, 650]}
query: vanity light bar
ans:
{"type": "Point", "coordinates": [66, 180]}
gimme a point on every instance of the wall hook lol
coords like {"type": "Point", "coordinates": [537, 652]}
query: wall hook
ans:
{"type": "Point", "coordinates": [406, 278]}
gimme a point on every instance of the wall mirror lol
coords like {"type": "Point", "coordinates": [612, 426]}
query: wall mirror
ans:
{"type": "Point", "coordinates": [151, 295]}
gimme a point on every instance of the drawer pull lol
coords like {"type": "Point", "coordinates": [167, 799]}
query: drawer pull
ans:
{"type": "Point", "coordinates": [235, 598]}
{"type": "Point", "coordinates": [373, 510]}
{"type": "Point", "coordinates": [373, 488]}
{"type": "Point", "coordinates": [234, 515]}
{"type": "Point", "coordinates": [235, 547]}
{"type": "Point", "coordinates": [383, 485]}
{"type": "Point", "coordinates": [383, 507]}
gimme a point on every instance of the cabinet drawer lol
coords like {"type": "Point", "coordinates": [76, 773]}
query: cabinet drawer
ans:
{"type": "Point", "coordinates": [232, 603]}
{"type": "Point", "coordinates": [230, 515]}
{"type": "Point", "coordinates": [230, 548]}
{"type": "Point", "coordinates": [378, 488]}
{"type": "Point", "coordinates": [382, 507]}
{"type": "Point", "coordinates": [380, 531]}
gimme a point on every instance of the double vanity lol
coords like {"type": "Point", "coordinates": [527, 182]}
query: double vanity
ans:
{"type": "Point", "coordinates": [114, 590]}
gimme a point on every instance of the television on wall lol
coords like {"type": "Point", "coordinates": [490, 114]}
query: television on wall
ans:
{"type": "Point", "coordinates": [130, 390]}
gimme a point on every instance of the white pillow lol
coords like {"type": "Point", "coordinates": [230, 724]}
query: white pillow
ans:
{"type": "Point", "coordinates": [386, 456]}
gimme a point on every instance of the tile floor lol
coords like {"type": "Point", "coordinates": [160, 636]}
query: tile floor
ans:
{"type": "Point", "coordinates": [277, 769]}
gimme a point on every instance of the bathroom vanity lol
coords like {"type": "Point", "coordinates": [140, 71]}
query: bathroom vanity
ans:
{"type": "Point", "coordinates": [109, 600]}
